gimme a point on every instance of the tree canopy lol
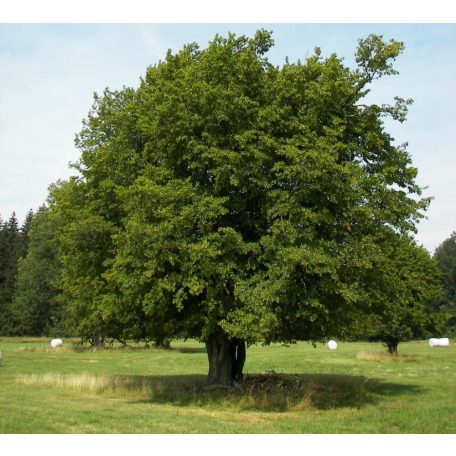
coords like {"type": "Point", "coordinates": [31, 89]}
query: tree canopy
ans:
{"type": "Point", "coordinates": [404, 294]}
{"type": "Point", "coordinates": [234, 201]}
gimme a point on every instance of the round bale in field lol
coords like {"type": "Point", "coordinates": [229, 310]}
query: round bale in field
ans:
{"type": "Point", "coordinates": [56, 343]}
{"type": "Point", "coordinates": [433, 342]}
{"type": "Point", "coordinates": [442, 342]}
{"type": "Point", "coordinates": [332, 344]}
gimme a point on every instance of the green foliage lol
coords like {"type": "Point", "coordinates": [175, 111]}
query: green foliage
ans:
{"type": "Point", "coordinates": [228, 196]}
{"type": "Point", "coordinates": [404, 295]}
{"type": "Point", "coordinates": [13, 246]}
{"type": "Point", "coordinates": [86, 238]}
{"type": "Point", "coordinates": [35, 310]}
{"type": "Point", "coordinates": [445, 256]}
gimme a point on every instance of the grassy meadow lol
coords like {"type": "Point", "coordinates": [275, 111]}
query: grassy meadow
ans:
{"type": "Point", "coordinates": [295, 389]}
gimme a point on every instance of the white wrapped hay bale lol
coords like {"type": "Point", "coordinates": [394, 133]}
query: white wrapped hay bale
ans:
{"type": "Point", "coordinates": [433, 342]}
{"type": "Point", "coordinates": [56, 343]}
{"type": "Point", "coordinates": [1, 358]}
{"type": "Point", "coordinates": [442, 342]}
{"type": "Point", "coordinates": [332, 344]}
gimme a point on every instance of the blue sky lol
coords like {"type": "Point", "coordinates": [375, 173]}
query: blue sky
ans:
{"type": "Point", "coordinates": [48, 73]}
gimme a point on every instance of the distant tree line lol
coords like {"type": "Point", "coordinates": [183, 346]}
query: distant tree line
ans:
{"type": "Point", "coordinates": [29, 274]}
{"type": "Point", "coordinates": [410, 302]}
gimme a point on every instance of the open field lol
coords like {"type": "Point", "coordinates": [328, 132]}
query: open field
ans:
{"type": "Point", "coordinates": [296, 389]}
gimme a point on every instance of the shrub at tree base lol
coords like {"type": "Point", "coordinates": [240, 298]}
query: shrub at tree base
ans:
{"type": "Point", "coordinates": [235, 202]}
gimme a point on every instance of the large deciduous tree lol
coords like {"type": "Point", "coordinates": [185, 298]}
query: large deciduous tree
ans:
{"type": "Point", "coordinates": [403, 291]}
{"type": "Point", "coordinates": [234, 201]}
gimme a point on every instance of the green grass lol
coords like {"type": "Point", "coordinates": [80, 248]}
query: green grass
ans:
{"type": "Point", "coordinates": [296, 389]}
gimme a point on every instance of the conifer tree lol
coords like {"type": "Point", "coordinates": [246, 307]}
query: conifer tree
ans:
{"type": "Point", "coordinates": [35, 309]}
{"type": "Point", "coordinates": [10, 251]}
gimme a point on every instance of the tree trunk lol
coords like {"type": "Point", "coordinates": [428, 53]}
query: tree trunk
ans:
{"type": "Point", "coordinates": [239, 353]}
{"type": "Point", "coordinates": [226, 359]}
{"type": "Point", "coordinates": [162, 342]}
{"type": "Point", "coordinates": [392, 347]}
{"type": "Point", "coordinates": [98, 340]}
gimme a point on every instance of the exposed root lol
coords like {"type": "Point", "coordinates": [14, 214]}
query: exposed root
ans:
{"type": "Point", "coordinates": [238, 386]}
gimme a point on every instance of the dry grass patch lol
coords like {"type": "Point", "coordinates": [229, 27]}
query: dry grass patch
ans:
{"type": "Point", "coordinates": [49, 349]}
{"type": "Point", "coordinates": [386, 357]}
{"type": "Point", "coordinates": [153, 388]}
{"type": "Point", "coordinates": [264, 392]}
{"type": "Point", "coordinates": [75, 382]}
{"type": "Point", "coordinates": [277, 393]}
{"type": "Point", "coordinates": [274, 392]}
{"type": "Point", "coordinates": [86, 382]}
